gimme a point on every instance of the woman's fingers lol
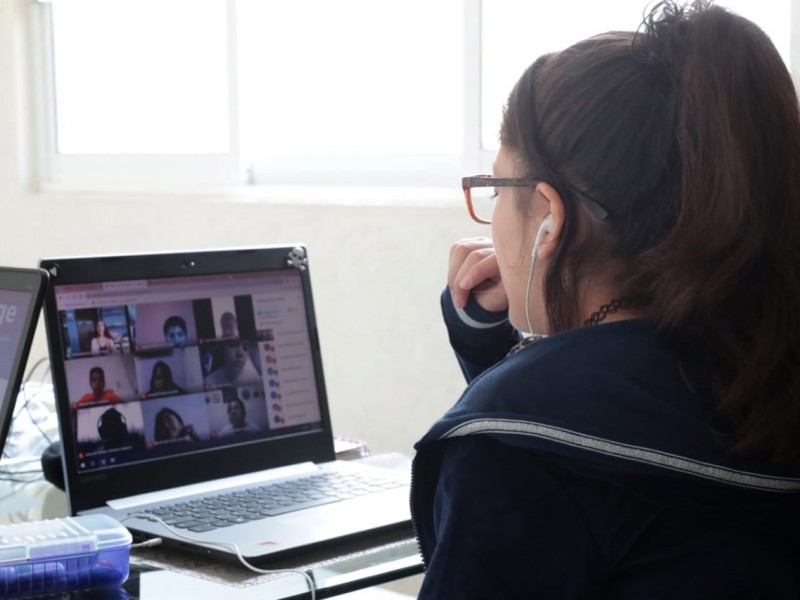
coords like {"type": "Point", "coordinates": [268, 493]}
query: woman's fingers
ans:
{"type": "Point", "coordinates": [473, 269]}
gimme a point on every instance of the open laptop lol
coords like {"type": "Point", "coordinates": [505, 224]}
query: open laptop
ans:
{"type": "Point", "coordinates": [183, 376]}
{"type": "Point", "coordinates": [21, 294]}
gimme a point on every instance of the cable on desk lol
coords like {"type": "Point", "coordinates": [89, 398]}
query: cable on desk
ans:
{"type": "Point", "coordinates": [28, 399]}
{"type": "Point", "coordinates": [227, 546]}
{"type": "Point", "coordinates": [20, 469]}
{"type": "Point", "coordinates": [25, 406]}
{"type": "Point", "coordinates": [14, 492]}
{"type": "Point", "coordinates": [12, 475]}
{"type": "Point", "coordinates": [36, 366]}
{"type": "Point", "coordinates": [147, 543]}
{"type": "Point", "coordinates": [34, 426]}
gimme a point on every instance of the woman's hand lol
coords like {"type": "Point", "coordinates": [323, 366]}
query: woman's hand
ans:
{"type": "Point", "coordinates": [474, 270]}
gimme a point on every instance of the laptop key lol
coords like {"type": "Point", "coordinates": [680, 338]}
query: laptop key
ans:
{"type": "Point", "coordinates": [202, 528]}
{"type": "Point", "coordinates": [279, 510]}
{"type": "Point", "coordinates": [188, 524]}
{"type": "Point", "coordinates": [219, 523]}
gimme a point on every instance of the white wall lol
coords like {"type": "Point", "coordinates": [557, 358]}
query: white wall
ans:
{"type": "Point", "coordinates": [377, 271]}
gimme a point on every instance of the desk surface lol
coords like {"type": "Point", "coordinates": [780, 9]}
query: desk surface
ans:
{"type": "Point", "coordinates": [163, 574]}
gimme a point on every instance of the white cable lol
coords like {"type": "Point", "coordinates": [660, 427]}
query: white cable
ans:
{"type": "Point", "coordinates": [543, 228]}
{"type": "Point", "coordinates": [26, 405]}
{"type": "Point", "coordinates": [227, 546]}
{"type": "Point", "coordinates": [34, 367]}
{"type": "Point", "coordinates": [148, 543]}
{"type": "Point", "coordinates": [528, 294]}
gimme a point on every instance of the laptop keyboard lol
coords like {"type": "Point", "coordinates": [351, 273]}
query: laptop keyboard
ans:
{"type": "Point", "coordinates": [241, 506]}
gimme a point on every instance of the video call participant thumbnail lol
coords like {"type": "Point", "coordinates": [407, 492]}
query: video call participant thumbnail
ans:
{"type": "Point", "coordinates": [235, 364]}
{"type": "Point", "coordinates": [237, 419]}
{"type": "Point", "coordinates": [102, 341]}
{"type": "Point", "coordinates": [161, 381]}
{"type": "Point", "coordinates": [98, 394]}
{"type": "Point", "coordinates": [175, 331]}
{"type": "Point", "coordinates": [169, 426]}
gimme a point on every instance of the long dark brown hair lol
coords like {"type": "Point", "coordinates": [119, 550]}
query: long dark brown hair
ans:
{"type": "Point", "coordinates": [688, 133]}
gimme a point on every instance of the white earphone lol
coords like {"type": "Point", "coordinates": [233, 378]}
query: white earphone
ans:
{"type": "Point", "coordinates": [545, 227]}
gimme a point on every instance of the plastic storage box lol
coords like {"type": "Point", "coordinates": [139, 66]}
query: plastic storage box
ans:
{"type": "Point", "coordinates": [61, 555]}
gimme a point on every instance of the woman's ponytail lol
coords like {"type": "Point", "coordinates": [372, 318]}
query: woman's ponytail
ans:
{"type": "Point", "coordinates": [729, 269]}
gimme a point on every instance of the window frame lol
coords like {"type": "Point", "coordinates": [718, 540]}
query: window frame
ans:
{"type": "Point", "coordinates": [178, 171]}
{"type": "Point", "coordinates": [199, 171]}
{"type": "Point", "coordinates": [124, 171]}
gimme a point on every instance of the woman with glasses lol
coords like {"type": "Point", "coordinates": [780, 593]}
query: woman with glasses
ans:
{"type": "Point", "coordinates": [641, 438]}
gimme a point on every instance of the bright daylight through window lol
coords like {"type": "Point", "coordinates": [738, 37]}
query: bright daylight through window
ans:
{"type": "Point", "coordinates": [409, 92]}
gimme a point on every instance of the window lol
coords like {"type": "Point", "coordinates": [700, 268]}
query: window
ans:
{"type": "Point", "coordinates": [397, 92]}
{"type": "Point", "coordinates": [510, 45]}
{"type": "Point", "coordinates": [137, 93]}
{"type": "Point", "coordinates": [126, 85]}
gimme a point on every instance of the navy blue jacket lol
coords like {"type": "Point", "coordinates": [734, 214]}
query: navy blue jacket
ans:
{"type": "Point", "coordinates": [592, 464]}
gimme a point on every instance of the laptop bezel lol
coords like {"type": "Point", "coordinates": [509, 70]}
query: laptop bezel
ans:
{"type": "Point", "coordinates": [93, 489]}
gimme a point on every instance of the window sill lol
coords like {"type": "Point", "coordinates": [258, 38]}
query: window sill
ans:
{"type": "Point", "coordinates": [433, 196]}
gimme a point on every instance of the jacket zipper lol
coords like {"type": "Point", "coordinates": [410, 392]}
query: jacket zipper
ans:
{"type": "Point", "coordinates": [413, 516]}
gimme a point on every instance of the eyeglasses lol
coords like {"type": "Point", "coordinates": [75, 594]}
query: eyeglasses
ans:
{"type": "Point", "coordinates": [480, 194]}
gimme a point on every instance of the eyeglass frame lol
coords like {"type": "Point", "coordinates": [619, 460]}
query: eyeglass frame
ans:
{"type": "Point", "coordinates": [467, 183]}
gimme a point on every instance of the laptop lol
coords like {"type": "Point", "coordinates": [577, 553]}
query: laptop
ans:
{"type": "Point", "coordinates": [190, 393]}
{"type": "Point", "coordinates": [21, 294]}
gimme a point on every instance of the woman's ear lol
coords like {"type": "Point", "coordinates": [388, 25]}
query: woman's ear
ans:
{"type": "Point", "coordinates": [552, 222]}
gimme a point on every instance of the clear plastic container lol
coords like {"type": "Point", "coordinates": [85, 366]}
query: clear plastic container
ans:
{"type": "Point", "coordinates": [61, 555]}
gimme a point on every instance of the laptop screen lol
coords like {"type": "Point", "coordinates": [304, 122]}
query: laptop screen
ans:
{"type": "Point", "coordinates": [164, 367]}
{"type": "Point", "coordinates": [21, 293]}
{"type": "Point", "coordinates": [13, 308]}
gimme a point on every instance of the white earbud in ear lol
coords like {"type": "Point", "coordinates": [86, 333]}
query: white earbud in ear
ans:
{"type": "Point", "coordinates": [545, 227]}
